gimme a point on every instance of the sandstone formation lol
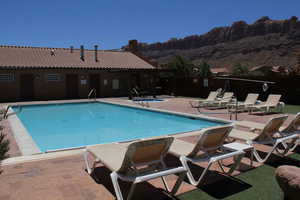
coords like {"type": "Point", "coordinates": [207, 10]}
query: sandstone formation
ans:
{"type": "Point", "coordinates": [266, 41]}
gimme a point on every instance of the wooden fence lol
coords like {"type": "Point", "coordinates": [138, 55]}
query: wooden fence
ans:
{"type": "Point", "coordinates": [288, 87]}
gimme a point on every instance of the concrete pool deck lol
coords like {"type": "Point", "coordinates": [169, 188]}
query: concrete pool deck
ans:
{"type": "Point", "coordinates": [61, 175]}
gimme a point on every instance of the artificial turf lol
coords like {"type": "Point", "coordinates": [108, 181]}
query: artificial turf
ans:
{"type": "Point", "coordinates": [291, 109]}
{"type": "Point", "coordinates": [255, 184]}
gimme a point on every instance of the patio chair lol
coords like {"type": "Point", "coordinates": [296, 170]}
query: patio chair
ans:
{"type": "Point", "coordinates": [208, 149]}
{"type": "Point", "coordinates": [291, 128]}
{"type": "Point", "coordinates": [220, 103]}
{"type": "Point", "coordinates": [135, 162]}
{"type": "Point", "coordinates": [211, 97]}
{"type": "Point", "coordinates": [249, 101]}
{"type": "Point", "coordinates": [273, 101]}
{"type": "Point", "coordinates": [269, 135]}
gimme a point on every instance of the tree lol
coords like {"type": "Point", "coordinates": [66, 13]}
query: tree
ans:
{"type": "Point", "coordinates": [204, 70]}
{"type": "Point", "coordinates": [133, 46]}
{"type": "Point", "coordinates": [181, 66]}
{"type": "Point", "coordinates": [240, 70]}
{"type": "Point", "coordinates": [4, 146]}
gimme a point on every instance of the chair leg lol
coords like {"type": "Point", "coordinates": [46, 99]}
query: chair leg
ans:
{"type": "Point", "coordinates": [178, 183]}
{"type": "Point", "coordinates": [131, 191]}
{"type": "Point", "coordinates": [260, 159]}
{"type": "Point", "coordinates": [288, 146]}
{"type": "Point", "coordinates": [237, 160]}
{"type": "Point", "coordinates": [292, 145]}
{"type": "Point", "coordinates": [251, 157]}
{"type": "Point", "coordinates": [114, 178]}
{"type": "Point", "coordinates": [189, 173]}
{"type": "Point", "coordinates": [85, 156]}
{"type": "Point", "coordinates": [165, 183]}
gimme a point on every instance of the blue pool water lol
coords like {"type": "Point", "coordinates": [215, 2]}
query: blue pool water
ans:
{"type": "Point", "coordinates": [80, 124]}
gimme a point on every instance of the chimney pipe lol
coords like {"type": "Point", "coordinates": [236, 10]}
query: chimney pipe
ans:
{"type": "Point", "coordinates": [96, 53]}
{"type": "Point", "coordinates": [71, 49]}
{"type": "Point", "coordinates": [82, 52]}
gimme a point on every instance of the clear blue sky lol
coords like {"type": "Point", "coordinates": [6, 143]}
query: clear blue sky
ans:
{"type": "Point", "coordinates": [111, 23]}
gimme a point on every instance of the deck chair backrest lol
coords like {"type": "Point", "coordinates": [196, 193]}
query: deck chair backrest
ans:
{"type": "Point", "coordinates": [294, 125]}
{"type": "Point", "coordinates": [251, 98]}
{"type": "Point", "coordinates": [212, 96]}
{"type": "Point", "coordinates": [273, 99]}
{"type": "Point", "coordinates": [211, 139]}
{"type": "Point", "coordinates": [227, 96]}
{"type": "Point", "coordinates": [146, 151]}
{"type": "Point", "coordinates": [271, 128]}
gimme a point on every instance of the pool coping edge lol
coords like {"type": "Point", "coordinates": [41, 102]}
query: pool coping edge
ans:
{"type": "Point", "coordinates": [24, 140]}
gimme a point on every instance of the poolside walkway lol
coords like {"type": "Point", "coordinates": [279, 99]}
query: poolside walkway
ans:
{"type": "Point", "coordinates": [65, 177]}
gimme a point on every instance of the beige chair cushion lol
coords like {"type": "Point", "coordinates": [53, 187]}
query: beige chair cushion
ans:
{"type": "Point", "coordinates": [111, 155]}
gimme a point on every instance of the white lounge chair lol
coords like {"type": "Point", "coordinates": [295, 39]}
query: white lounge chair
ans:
{"type": "Point", "coordinates": [273, 101]}
{"type": "Point", "coordinates": [267, 135]}
{"type": "Point", "coordinates": [211, 97]}
{"type": "Point", "coordinates": [249, 101]}
{"type": "Point", "coordinates": [292, 128]}
{"type": "Point", "coordinates": [135, 162]}
{"type": "Point", "coordinates": [220, 103]}
{"type": "Point", "coordinates": [209, 148]}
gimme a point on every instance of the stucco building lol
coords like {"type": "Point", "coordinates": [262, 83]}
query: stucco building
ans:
{"type": "Point", "coordinates": [37, 73]}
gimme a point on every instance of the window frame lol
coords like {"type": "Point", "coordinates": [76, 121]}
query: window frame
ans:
{"type": "Point", "coordinates": [115, 84]}
{"type": "Point", "coordinates": [10, 77]}
{"type": "Point", "coordinates": [53, 75]}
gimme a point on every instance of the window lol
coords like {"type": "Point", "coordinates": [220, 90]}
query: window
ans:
{"type": "Point", "coordinates": [53, 77]}
{"type": "Point", "coordinates": [6, 77]}
{"type": "Point", "coordinates": [115, 84]}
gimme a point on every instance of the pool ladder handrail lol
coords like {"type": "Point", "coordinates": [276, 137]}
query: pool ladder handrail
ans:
{"type": "Point", "coordinates": [93, 91]}
{"type": "Point", "coordinates": [7, 109]}
{"type": "Point", "coordinates": [143, 104]}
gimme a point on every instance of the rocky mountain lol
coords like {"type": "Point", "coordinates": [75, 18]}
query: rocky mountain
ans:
{"type": "Point", "coordinates": [266, 41]}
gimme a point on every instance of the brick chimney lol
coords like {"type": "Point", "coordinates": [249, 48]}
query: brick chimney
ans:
{"type": "Point", "coordinates": [82, 52]}
{"type": "Point", "coordinates": [132, 46]}
{"type": "Point", "coordinates": [96, 53]}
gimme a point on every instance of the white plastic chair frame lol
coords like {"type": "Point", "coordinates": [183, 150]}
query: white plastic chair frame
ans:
{"type": "Point", "coordinates": [210, 158]}
{"type": "Point", "coordinates": [238, 155]}
{"type": "Point", "coordinates": [272, 101]}
{"type": "Point", "coordinates": [158, 167]}
{"type": "Point", "coordinates": [292, 128]}
{"type": "Point", "coordinates": [275, 142]}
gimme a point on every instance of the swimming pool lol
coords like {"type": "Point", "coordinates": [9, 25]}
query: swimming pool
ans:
{"type": "Point", "coordinates": [72, 125]}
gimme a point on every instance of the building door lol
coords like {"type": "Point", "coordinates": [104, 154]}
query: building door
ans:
{"type": "Point", "coordinates": [72, 86]}
{"type": "Point", "coordinates": [95, 83]}
{"type": "Point", "coordinates": [27, 87]}
{"type": "Point", "coordinates": [136, 80]}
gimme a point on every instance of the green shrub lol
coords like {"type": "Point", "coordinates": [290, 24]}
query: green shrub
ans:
{"type": "Point", "coordinates": [240, 70]}
{"type": "Point", "coordinates": [181, 66]}
{"type": "Point", "coordinates": [4, 146]}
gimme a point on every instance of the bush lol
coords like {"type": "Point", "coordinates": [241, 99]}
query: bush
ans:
{"type": "Point", "coordinates": [4, 146]}
{"type": "Point", "coordinates": [181, 66]}
{"type": "Point", "coordinates": [240, 70]}
{"type": "Point", "coordinates": [204, 70]}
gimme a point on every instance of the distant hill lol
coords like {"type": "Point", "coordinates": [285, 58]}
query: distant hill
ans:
{"type": "Point", "coordinates": [266, 41]}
